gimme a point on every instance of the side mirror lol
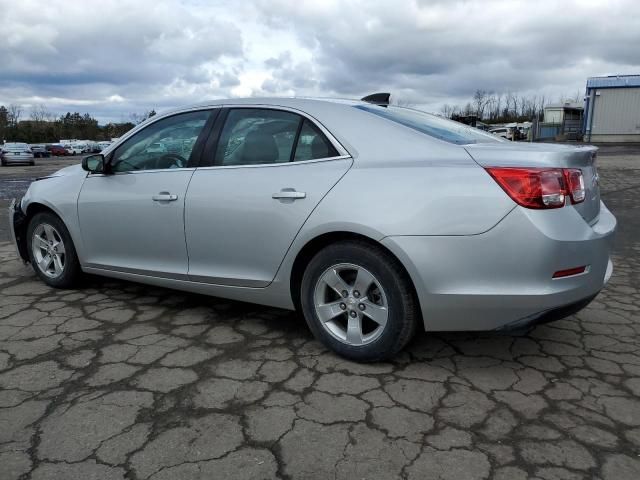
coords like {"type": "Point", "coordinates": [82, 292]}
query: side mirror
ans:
{"type": "Point", "coordinates": [93, 163]}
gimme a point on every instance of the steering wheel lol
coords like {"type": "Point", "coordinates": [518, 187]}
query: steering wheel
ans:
{"type": "Point", "coordinates": [171, 160]}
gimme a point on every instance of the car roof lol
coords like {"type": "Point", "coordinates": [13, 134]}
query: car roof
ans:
{"type": "Point", "coordinates": [305, 104]}
{"type": "Point", "coordinates": [360, 133]}
{"type": "Point", "coordinates": [280, 101]}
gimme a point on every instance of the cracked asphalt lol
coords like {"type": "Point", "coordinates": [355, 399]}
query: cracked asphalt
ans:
{"type": "Point", "coordinates": [118, 380]}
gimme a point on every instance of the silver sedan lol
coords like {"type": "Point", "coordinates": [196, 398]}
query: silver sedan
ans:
{"type": "Point", "coordinates": [16, 153]}
{"type": "Point", "coordinates": [370, 219]}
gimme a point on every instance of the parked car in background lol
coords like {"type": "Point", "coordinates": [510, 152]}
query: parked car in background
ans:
{"type": "Point", "coordinates": [157, 147]}
{"type": "Point", "coordinates": [90, 146]}
{"type": "Point", "coordinates": [40, 151]}
{"type": "Point", "coordinates": [373, 220]}
{"type": "Point", "coordinates": [13, 153]}
{"type": "Point", "coordinates": [502, 132]}
{"type": "Point", "coordinates": [84, 147]}
{"type": "Point", "coordinates": [103, 145]}
{"type": "Point", "coordinates": [57, 150]}
{"type": "Point", "coordinates": [75, 149]}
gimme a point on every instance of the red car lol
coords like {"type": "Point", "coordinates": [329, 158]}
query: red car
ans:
{"type": "Point", "coordinates": [57, 150]}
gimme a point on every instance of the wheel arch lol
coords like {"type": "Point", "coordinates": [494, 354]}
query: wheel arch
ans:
{"type": "Point", "coordinates": [313, 246]}
{"type": "Point", "coordinates": [37, 207]}
{"type": "Point", "coordinates": [32, 209]}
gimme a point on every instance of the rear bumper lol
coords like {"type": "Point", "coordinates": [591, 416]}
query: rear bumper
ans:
{"type": "Point", "coordinates": [502, 279]}
{"type": "Point", "coordinates": [20, 159]}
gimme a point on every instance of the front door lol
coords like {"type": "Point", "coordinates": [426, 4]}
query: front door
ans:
{"type": "Point", "coordinates": [270, 170]}
{"type": "Point", "coordinates": [132, 219]}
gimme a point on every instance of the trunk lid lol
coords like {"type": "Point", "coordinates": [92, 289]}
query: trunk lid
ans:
{"type": "Point", "coordinates": [544, 155]}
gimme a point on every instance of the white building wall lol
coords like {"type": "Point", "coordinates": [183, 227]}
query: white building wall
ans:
{"type": "Point", "coordinates": [553, 115]}
{"type": "Point", "coordinates": [616, 112]}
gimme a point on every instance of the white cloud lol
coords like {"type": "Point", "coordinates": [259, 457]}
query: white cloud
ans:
{"type": "Point", "coordinates": [113, 57]}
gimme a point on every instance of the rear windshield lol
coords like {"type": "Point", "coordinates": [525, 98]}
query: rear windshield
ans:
{"type": "Point", "coordinates": [440, 128]}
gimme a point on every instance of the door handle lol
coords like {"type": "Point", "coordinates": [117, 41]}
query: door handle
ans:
{"type": "Point", "coordinates": [289, 193]}
{"type": "Point", "coordinates": [164, 197]}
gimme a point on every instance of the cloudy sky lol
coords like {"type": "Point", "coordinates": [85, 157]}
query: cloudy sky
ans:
{"type": "Point", "coordinates": [114, 57]}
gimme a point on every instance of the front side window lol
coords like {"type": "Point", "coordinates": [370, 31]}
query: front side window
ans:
{"type": "Point", "coordinates": [440, 128]}
{"type": "Point", "coordinates": [254, 136]}
{"type": "Point", "coordinates": [167, 143]}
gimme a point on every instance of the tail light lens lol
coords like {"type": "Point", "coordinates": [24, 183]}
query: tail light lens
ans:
{"type": "Point", "coordinates": [575, 184]}
{"type": "Point", "coordinates": [540, 188]}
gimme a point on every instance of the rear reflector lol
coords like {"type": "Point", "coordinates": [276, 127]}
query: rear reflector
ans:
{"type": "Point", "coordinates": [569, 272]}
{"type": "Point", "coordinates": [540, 188]}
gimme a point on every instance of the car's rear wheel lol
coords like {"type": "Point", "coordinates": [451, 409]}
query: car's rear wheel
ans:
{"type": "Point", "coordinates": [51, 251]}
{"type": "Point", "coordinates": [358, 300]}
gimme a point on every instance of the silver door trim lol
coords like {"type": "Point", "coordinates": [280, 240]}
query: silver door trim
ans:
{"type": "Point", "coordinates": [283, 164]}
{"type": "Point", "coordinates": [137, 172]}
{"type": "Point", "coordinates": [233, 282]}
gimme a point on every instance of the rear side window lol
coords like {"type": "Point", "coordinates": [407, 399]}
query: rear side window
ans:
{"type": "Point", "coordinates": [254, 136]}
{"type": "Point", "coordinates": [440, 128]}
{"type": "Point", "coordinates": [312, 144]}
{"type": "Point", "coordinates": [258, 136]}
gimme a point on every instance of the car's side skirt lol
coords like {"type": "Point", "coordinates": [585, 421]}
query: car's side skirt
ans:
{"type": "Point", "coordinates": [273, 295]}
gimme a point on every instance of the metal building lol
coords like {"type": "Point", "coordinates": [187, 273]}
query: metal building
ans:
{"type": "Point", "coordinates": [562, 121]}
{"type": "Point", "coordinates": [612, 109]}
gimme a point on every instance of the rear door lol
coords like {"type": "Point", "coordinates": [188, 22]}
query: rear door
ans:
{"type": "Point", "coordinates": [267, 170]}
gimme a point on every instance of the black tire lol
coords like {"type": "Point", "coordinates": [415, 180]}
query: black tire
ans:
{"type": "Point", "coordinates": [71, 272]}
{"type": "Point", "coordinates": [403, 312]}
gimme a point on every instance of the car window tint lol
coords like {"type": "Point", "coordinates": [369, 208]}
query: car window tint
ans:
{"type": "Point", "coordinates": [253, 136]}
{"type": "Point", "coordinates": [312, 144]}
{"type": "Point", "coordinates": [440, 128]}
{"type": "Point", "coordinates": [167, 143]}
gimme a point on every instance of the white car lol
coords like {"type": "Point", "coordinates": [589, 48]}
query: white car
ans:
{"type": "Point", "coordinates": [502, 132]}
{"type": "Point", "coordinates": [103, 145]}
{"type": "Point", "coordinates": [75, 149]}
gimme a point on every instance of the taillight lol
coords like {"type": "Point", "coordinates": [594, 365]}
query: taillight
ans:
{"type": "Point", "coordinates": [540, 188]}
{"type": "Point", "coordinates": [575, 184]}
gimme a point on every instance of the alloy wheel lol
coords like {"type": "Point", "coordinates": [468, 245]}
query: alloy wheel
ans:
{"type": "Point", "coordinates": [351, 304]}
{"type": "Point", "coordinates": [48, 250]}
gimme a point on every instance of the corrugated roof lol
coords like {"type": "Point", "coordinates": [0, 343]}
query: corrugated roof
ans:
{"type": "Point", "coordinates": [614, 81]}
{"type": "Point", "coordinates": [569, 105]}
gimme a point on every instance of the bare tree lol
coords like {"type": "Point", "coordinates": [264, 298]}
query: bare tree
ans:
{"type": "Point", "coordinates": [40, 113]}
{"type": "Point", "coordinates": [137, 118]}
{"type": "Point", "coordinates": [491, 105]}
{"type": "Point", "coordinates": [447, 110]}
{"type": "Point", "coordinates": [13, 114]}
{"type": "Point", "coordinates": [480, 102]}
{"type": "Point", "coordinates": [577, 97]}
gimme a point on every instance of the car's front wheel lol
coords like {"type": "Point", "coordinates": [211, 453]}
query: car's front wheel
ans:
{"type": "Point", "coordinates": [51, 251]}
{"type": "Point", "coordinates": [358, 300]}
